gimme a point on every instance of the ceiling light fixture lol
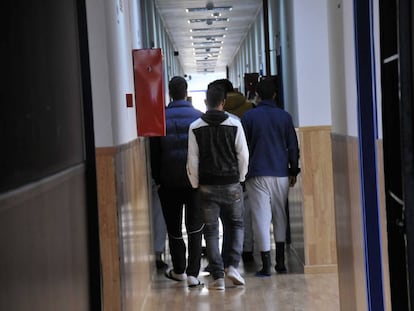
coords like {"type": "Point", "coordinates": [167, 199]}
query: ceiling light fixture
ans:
{"type": "Point", "coordinates": [210, 48]}
{"type": "Point", "coordinates": [208, 37]}
{"type": "Point", "coordinates": [210, 7]}
{"type": "Point", "coordinates": [205, 70]}
{"type": "Point", "coordinates": [206, 60]}
{"type": "Point", "coordinates": [208, 29]}
{"type": "Point", "coordinates": [206, 65]}
{"type": "Point", "coordinates": [205, 43]}
{"type": "Point", "coordinates": [209, 54]}
{"type": "Point", "coordinates": [207, 20]}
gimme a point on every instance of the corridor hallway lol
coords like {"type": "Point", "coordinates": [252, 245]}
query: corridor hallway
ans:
{"type": "Point", "coordinates": [294, 291]}
{"type": "Point", "coordinates": [283, 292]}
{"type": "Point", "coordinates": [74, 188]}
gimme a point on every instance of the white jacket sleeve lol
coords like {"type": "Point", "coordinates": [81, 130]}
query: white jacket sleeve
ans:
{"type": "Point", "coordinates": [242, 152]}
{"type": "Point", "coordinates": [192, 158]}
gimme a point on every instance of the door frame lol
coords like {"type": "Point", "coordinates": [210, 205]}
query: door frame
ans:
{"type": "Point", "coordinates": [367, 129]}
{"type": "Point", "coordinates": [94, 252]}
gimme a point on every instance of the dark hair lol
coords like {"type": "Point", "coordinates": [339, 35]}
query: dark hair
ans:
{"type": "Point", "coordinates": [177, 88]}
{"type": "Point", "coordinates": [215, 95]}
{"type": "Point", "coordinates": [224, 83]}
{"type": "Point", "coordinates": [266, 89]}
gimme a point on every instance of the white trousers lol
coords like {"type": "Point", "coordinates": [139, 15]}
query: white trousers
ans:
{"type": "Point", "coordinates": [248, 230]}
{"type": "Point", "coordinates": [267, 199]}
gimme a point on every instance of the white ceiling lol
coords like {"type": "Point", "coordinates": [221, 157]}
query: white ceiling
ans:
{"type": "Point", "coordinates": [234, 27]}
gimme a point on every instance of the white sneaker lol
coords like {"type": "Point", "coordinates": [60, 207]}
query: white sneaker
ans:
{"type": "Point", "coordinates": [192, 281]}
{"type": "Point", "coordinates": [217, 284]}
{"type": "Point", "coordinates": [175, 276]}
{"type": "Point", "coordinates": [234, 276]}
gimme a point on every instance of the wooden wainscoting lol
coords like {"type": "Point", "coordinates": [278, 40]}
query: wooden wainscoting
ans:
{"type": "Point", "coordinates": [124, 224]}
{"type": "Point", "coordinates": [351, 267]}
{"type": "Point", "coordinates": [350, 238]}
{"type": "Point", "coordinates": [134, 222]}
{"type": "Point", "coordinates": [318, 199]}
{"type": "Point", "coordinates": [108, 228]}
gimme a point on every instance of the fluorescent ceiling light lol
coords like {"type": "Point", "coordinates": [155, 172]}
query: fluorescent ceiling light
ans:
{"type": "Point", "coordinates": [208, 29]}
{"type": "Point", "coordinates": [209, 21]}
{"type": "Point", "coordinates": [205, 43]}
{"type": "Point", "coordinates": [214, 8]}
{"type": "Point", "coordinates": [210, 48]}
{"type": "Point", "coordinates": [208, 37]}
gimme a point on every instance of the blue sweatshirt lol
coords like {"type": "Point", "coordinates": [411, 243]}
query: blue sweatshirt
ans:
{"type": "Point", "coordinates": [272, 141]}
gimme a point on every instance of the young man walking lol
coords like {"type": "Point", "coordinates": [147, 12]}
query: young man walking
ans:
{"type": "Point", "coordinates": [273, 167]}
{"type": "Point", "coordinates": [168, 163]}
{"type": "Point", "coordinates": [217, 163]}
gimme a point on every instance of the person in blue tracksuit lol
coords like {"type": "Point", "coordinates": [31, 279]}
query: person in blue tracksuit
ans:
{"type": "Point", "coordinates": [273, 167]}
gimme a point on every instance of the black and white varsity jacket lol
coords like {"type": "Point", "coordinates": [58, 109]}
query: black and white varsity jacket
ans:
{"type": "Point", "coordinates": [217, 150]}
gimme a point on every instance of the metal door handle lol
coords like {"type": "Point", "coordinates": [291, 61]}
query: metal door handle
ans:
{"type": "Point", "coordinates": [396, 198]}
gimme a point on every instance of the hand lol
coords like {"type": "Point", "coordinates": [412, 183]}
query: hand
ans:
{"type": "Point", "coordinates": [292, 181]}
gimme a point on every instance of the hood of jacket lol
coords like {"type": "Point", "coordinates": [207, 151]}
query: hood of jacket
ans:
{"type": "Point", "coordinates": [214, 117]}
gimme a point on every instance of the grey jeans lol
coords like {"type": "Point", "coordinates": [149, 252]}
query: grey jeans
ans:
{"type": "Point", "coordinates": [226, 202]}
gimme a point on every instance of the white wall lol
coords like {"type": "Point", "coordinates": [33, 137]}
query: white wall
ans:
{"type": "Point", "coordinates": [350, 69]}
{"type": "Point", "coordinates": [337, 69]}
{"type": "Point", "coordinates": [325, 44]}
{"type": "Point", "coordinates": [287, 46]}
{"type": "Point", "coordinates": [311, 51]}
{"type": "Point", "coordinates": [136, 22]}
{"type": "Point", "coordinates": [378, 66]}
{"type": "Point", "coordinates": [110, 47]}
{"type": "Point", "coordinates": [343, 74]}
{"type": "Point", "coordinates": [99, 73]}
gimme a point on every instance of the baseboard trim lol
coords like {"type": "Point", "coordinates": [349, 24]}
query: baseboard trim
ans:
{"type": "Point", "coordinates": [319, 269]}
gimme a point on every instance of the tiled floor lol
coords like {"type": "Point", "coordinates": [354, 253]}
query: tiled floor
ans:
{"type": "Point", "coordinates": [293, 291]}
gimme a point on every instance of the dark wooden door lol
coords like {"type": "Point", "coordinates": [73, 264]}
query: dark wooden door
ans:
{"type": "Point", "coordinates": [397, 112]}
{"type": "Point", "coordinates": [250, 82]}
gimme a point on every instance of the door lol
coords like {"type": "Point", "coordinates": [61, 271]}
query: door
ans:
{"type": "Point", "coordinates": [396, 81]}
{"type": "Point", "coordinates": [49, 233]}
{"type": "Point", "coordinates": [250, 82]}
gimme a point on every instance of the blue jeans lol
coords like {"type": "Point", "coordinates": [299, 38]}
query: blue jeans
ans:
{"type": "Point", "coordinates": [226, 202]}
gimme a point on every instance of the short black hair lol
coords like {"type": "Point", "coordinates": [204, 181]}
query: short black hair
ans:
{"type": "Point", "coordinates": [177, 88]}
{"type": "Point", "coordinates": [266, 89]}
{"type": "Point", "coordinates": [215, 95]}
{"type": "Point", "coordinates": [224, 83]}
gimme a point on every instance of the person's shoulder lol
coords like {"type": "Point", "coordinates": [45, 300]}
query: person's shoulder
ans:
{"type": "Point", "coordinates": [196, 123]}
{"type": "Point", "coordinates": [233, 120]}
{"type": "Point", "coordinates": [196, 111]}
{"type": "Point", "coordinates": [183, 111]}
{"type": "Point", "coordinates": [284, 113]}
{"type": "Point", "coordinates": [232, 115]}
{"type": "Point", "coordinates": [251, 112]}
